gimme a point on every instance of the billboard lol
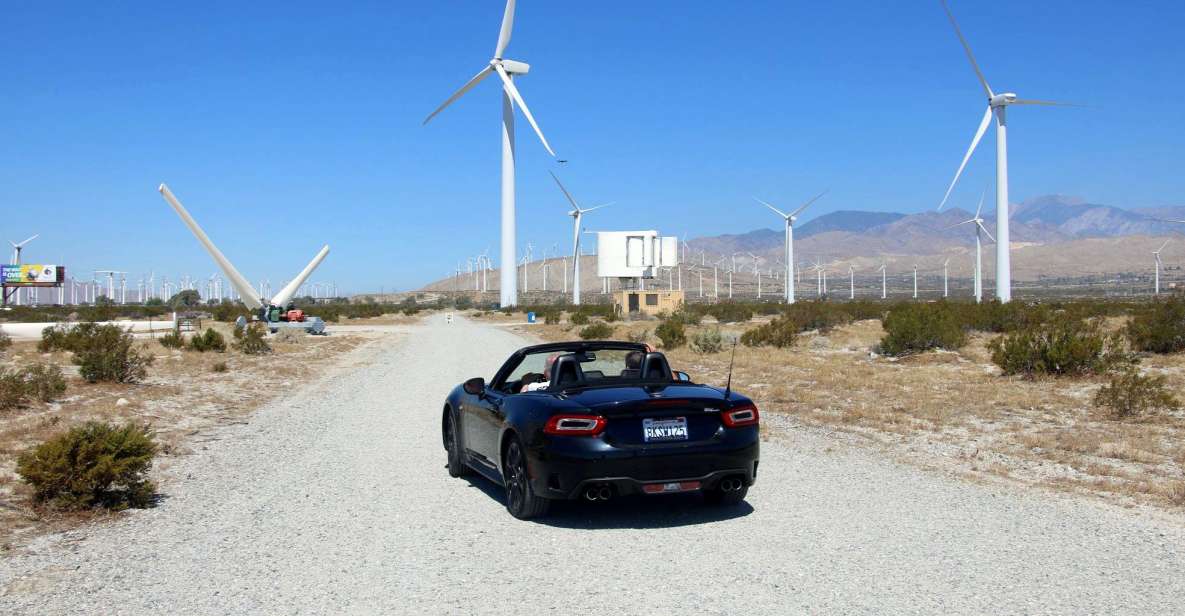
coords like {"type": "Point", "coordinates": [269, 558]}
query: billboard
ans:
{"type": "Point", "coordinates": [31, 275]}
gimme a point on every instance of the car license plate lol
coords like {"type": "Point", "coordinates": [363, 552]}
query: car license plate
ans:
{"type": "Point", "coordinates": [662, 430]}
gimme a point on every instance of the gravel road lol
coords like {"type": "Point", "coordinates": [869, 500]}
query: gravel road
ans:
{"type": "Point", "coordinates": [335, 499]}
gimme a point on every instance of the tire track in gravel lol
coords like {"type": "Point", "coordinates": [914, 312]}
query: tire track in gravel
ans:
{"type": "Point", "coordinates": [335, 499]}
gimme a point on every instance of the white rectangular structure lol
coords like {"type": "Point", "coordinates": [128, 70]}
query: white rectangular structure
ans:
{"type": "Point", "coordinates": [634, 254]}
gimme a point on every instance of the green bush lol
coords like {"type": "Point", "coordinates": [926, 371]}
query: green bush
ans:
{"type": "Point", "coordinates": [707, 341]}
{"type": "Point", "coordinates": [596, 331]}
{"type": "Point", "coordinates": [13, 392]}
{"type": "Point", "coordinates": [172, 340]}
{"type": "Point", "coordinates": [209, 340]}
{"type": "Point", "coordinates": [253, 340]}
{"type": "Point", "coordinates": [67, 337]}
{"type": "Point", "coordinates": [821, 316]}
{"type": "Point", "coordinates": [1160, 328]}
{"type": "Point", "coordinates": [578, 318]}
{"type": "Point", "coordinates": [108, 353]}
{"type": "Point", "coordinates": [43, 382]}
{"type": "Point", "coordinates": [671, 333]}
{"type": "Point", "coordinates": [1062, 348]}
{"type": "Point", "coordinates": [1130, 395]}
{"type": "Point", "coordinates": [916, 328]}
{"type": "Point", "coordinates": [5, 341]}
{"type": "Point", "coordinates": [781, 332]}
{"type": "Point", "coordinates": [639, 337]}
{"type": "Point", "coordinates": [92, 465]}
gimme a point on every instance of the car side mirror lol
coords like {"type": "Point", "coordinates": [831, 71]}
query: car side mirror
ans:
{"type": "Point", "coordinates": [475, 386]}
{"type": "Point", "coordinates": [682, 377]}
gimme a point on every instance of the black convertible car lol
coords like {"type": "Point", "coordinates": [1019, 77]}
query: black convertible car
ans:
{"type": "Point", "coordinates": [597, 420]}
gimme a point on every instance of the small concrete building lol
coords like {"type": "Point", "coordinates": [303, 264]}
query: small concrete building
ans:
{"type": "Point", "coordinates": [648, 302]}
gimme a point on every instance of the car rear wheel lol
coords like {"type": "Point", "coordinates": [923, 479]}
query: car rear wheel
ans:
{"type": "Point", "coordinates": [719, 496]}
{"type": "Point", "coordinates": [456, 466]}
{"type": "Point", "coordinates": [521, 501]}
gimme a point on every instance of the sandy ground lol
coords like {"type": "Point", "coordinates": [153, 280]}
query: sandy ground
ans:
{"type": "Point", "coordinates": [335, 499]}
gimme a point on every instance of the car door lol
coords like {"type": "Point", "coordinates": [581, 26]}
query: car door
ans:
{"type": "Point", "coordinates": [483, 425]}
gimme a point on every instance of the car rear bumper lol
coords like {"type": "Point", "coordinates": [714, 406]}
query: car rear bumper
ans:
{"type": "Point", "coordinates": [564, 476]}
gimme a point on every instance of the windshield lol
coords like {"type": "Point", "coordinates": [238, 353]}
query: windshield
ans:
{"type": "Point", "coordinates": [602, 366]}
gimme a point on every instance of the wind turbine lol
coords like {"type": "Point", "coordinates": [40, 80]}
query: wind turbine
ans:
{"type": "Point", "coordinates": [16, 260]}
{"type": "Point", "coordinates": [851, 281]}
{"type": "Point", "coordinates": [979, 229]}
{"type": "Point", "coordinates": [1159, 264]}
{"type": "Point", "coordinates": [915, 280]}
{"type": "Point", "coordinates": [997, 105]}
{"type": "Point", "coordinates": [577, 215]}
{"type": "Point", "coordinates": [506, 69]}
{"type": "Point", "coordinates": [789, 242]}
{"type": "Point", "coordinates": [247, 294]}
{"type": "Point", "coordinates": [946, 278]}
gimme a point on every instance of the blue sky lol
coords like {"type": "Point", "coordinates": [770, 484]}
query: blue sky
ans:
{"type": "Point", "coordinates": [285, 125]}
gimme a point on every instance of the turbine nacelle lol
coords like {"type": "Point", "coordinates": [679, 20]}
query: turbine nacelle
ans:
{"type": "Point", "coordinates": [514, 67]}
{"type": "Point", "coordinates": [1002, 100]}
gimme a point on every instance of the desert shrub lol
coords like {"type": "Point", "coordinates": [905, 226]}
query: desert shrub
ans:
{"type": "Point", "coordinates": [822, 316]}
{"type": "Point", "coordinates": [92, 465]}
{"type": "Point", "coordinates": [1130, 395]}
{"type": "Point", "coordinates": [730, 312]}
{"type": "Point", "coordinates": [578, 318]}
{"type": "Point", "coordinates": [12, 389]}
{"type": "Point", "coordinates": [1160, 328]}
{"type": "Point", "coordinates": [220, 367]}
{"type": "Point", "coordinates": [290, 335]}
{"type": "Point", "coordinates": [671, 333]}
{"type": "Point", "coordinates": [5, 341]}
{"type": "Point", "coordinates": [1062, 348]}
{"type": "Point", "coordinates": [916, 328]}
{"type": "Point", "coordinates": [172, 340]}
{"type": "Point", "coordinates": [43, 382]}
{"type": "Point", "coordinates": [596, 331]}
{"type": "Point", "coordinates": [781, 332]}
{"type": "Point", "coordinates": [707, 341]}
{"type": "Point", "coordinates": [107, 353]}
{"type": "Point", "coordinates": [209, 340]}
{"type": "Point", "coordinates": [253, 340]}
{"type": "Point", "coordinates": [638, 337]}
{"type": "Point", "coordinates": [67, 337]}
{"type": "Point", "coordinates": [552, 316]}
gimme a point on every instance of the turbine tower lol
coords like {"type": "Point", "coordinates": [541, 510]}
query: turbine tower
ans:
{"type": "Point", "coordinates": [788, 255]}
{"type": "Point", "coordinates": [884, 281]}
{"type": "Point", "coordinates": [16, 260]}
{"type": "Point", "coordinates": [577, 215]}
{"type": "Point", "coordinates": [1159, 264]}
{"type": "Point", "coordinates": [979, 229]}
{"type": "Point", "coordinates": [997, 105]}
{"type": "Point", "coordinates": [506, 69]}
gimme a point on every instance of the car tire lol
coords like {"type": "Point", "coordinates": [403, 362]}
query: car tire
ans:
{"type": "Point", "coordinates": [456, 466]}
{"type": "Point", "coordinates": [722, 498]}
{"type": "Point", "coordinates": [521, 500]}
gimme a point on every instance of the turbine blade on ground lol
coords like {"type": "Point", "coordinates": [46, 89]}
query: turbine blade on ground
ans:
{"type": "Point", "coordinates": [485, 72]}
{"type": "Point", "coordinates": [248, 294]}
{"type": "Point", "coordinates": [287, 292]}
{"type": "Point", "coordinates": [967, 48]}
{"type": "Point", "coordinates": [518, 99]}
{"type": "Point", "coordinates": [987, 117]}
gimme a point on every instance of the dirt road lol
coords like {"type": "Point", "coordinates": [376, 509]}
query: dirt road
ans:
{"type": "Point", "coordinates": [335, 499]}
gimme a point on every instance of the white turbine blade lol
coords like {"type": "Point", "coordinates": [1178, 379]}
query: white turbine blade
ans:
{"type": "Point", "coordinates": [485, 72]}
{"type": "Point", "coordinates": [507, 26]}
{"type": "Point", "coordinates": [599, 206]}
{"type": "Point", "coordinates": [985, 231]}
{"type": "Point", "coordinates": [248, 294]}
{"type": "Point", "coordinates": [287, 292]}
{"type": "Point", "coordinates": [518, 99]}
{"type": "Point", "coordinates": [804, 205]}
{"type": "Point", "coordinates": [965, 222]}
{"type": "Point", "coordinates": [1166, 243]}
{"type": "Point", "coordinates": [982, 196]}
{"type": "Point", "coordinates": [567, 194]}
{"type": "Point", "coordinates": [22, 244]}
{"type": "Point", "coordinates": [987, 117]}
{"type": "Point", "coordinates": [1029, 101]}
{"type": "Point", "coordinates": [779, 212]}
{"type": "Point", "coordinates": [967, 48]}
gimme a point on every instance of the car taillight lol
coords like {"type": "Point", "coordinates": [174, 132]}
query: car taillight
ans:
{"type": "Point", "coordinates": [575, 425]}
{"type": "Point", "coordinates": [741, 416]}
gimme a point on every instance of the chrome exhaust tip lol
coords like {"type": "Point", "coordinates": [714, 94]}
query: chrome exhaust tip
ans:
{"type": "Point", "coordinates": [605, 493]}
{"type": "Point", "coordinates": [591, 494]}
{"type": "Point", "coordinates": [731, 485]}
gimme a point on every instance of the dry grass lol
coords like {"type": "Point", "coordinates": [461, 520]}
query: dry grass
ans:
{"type": "Point", "coordinates": [181, 397]}
{"type": "Point", "coordinates": [954, 410]}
